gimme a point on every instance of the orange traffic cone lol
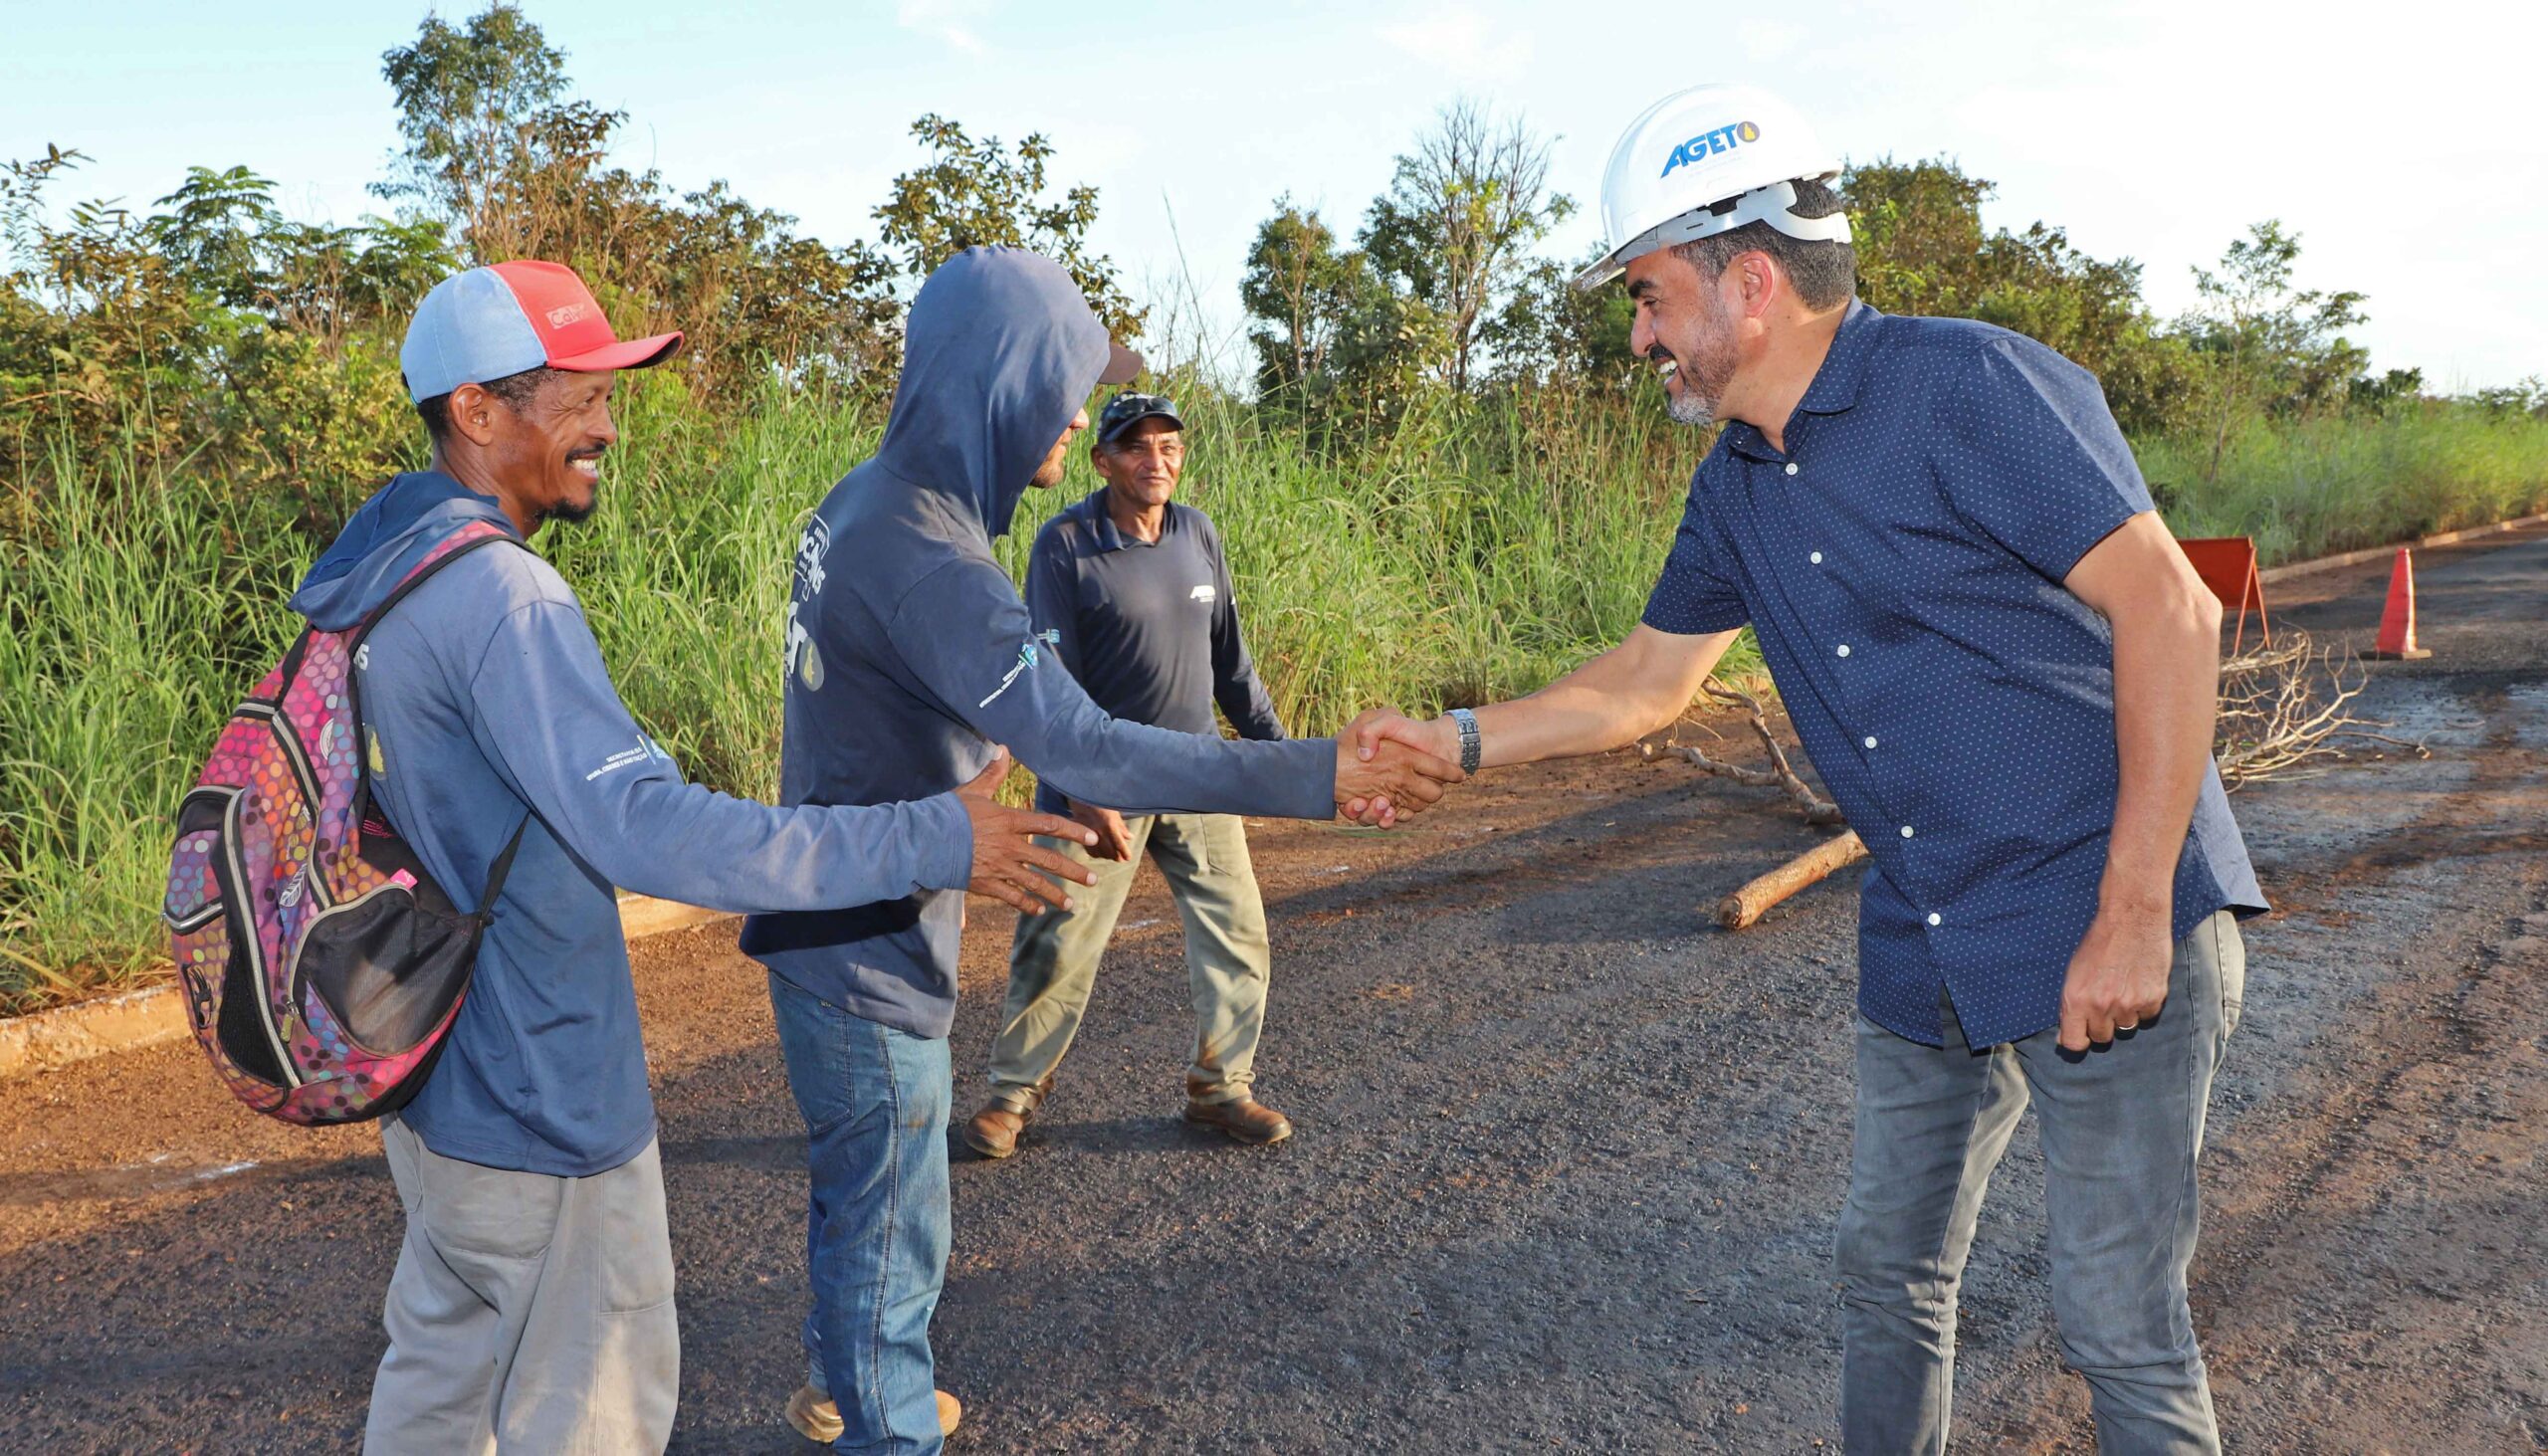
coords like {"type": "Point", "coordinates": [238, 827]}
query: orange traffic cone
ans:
{"type": "Point", "coordinates": [2398, 619]}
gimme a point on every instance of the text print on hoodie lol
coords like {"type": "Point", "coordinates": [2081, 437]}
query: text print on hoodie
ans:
{"type": "Point", "coordinates": [483, 698]}
{"type": "Point", "coordinates": [909, 653]}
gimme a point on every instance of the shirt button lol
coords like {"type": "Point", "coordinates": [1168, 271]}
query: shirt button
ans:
{"type": "Point", "coordinates": [1816, 558]}
{"type": "Point", "coordinates": [1791, 467]}
{"type": "Point", "coordinates": [1906, 831]}
{"type": "Point", "coordinates": [1933, 918]}
{"type": "Point", "coordinates": [1842, 649]}
{"type": "Point", "coordinates": [1870, 741]}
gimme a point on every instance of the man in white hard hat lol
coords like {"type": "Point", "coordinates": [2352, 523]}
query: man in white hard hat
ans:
{"type": "Point", "coordinates": [2006, 673]}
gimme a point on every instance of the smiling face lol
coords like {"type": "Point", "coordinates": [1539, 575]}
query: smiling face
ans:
{"type": "Point", "coordinates": [536, 445]}
{"type": "Point", "coordinates": [1142, 465]}
{"type": "Point", "coordinates": [1685, 324]}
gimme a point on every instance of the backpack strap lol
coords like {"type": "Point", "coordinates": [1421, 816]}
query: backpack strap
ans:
{"type": "Point", "coordinates": [422, 574]}
{"type": "Point", "coordinates": [503, 866]}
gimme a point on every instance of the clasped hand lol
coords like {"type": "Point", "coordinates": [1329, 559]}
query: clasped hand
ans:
{"type": "Point", "coordinates": [1388, 765]}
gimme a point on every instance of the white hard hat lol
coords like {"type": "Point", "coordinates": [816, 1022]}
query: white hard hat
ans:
{"type": "Point", "coordinates": [1705, 160]}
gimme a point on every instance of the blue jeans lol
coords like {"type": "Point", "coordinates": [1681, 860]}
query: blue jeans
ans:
{"type": "Point", "coordinates": [875, 1101]}
{"type": "Point", "coordinates": [2121, 1128]}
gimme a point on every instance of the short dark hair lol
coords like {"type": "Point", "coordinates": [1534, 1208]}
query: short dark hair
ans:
{"type": "Point", "coordinates": [515, 390]}
{"type": "Point", "coordinates": [1825, 274]}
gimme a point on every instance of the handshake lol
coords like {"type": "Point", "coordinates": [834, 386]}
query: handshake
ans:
{"type": "Point", "coordinates": [1388, 765]}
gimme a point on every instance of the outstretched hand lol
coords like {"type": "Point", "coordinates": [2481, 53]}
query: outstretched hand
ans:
{"type": "Point", "coordinates": [1009, 865]}
{"type": "Point", "coordinates": [1381, 778]}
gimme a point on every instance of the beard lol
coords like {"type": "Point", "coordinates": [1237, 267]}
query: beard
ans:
{"type": "Point", "coordinates": [1704, 374]}
{"type": "Point", "coordinates": [575, 514]}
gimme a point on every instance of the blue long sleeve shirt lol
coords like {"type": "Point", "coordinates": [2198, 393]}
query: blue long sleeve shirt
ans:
{"type": "Point", "coordinates": [1149, 628]}
{"type": "Point", "coordinates": [483, 700]}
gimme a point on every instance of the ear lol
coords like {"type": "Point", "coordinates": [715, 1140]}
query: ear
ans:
{"type": "Point", "coordinates": [473, 414]}
{"type": "Point", "coordinates": [1760, 282]}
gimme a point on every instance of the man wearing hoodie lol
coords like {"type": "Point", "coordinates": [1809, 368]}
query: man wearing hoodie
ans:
{"type": "Point", "coordinates": [532, 1304]}
{"type": "Point", "coordinates": [909, 656]}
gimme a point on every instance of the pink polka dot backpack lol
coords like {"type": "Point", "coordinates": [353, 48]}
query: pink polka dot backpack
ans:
{"type": "Point", "coordinates": [322, 965]}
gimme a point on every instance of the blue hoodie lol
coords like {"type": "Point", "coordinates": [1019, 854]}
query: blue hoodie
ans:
{"type": "Point", "coordinates": [910, 654]}
{"type": "Point", "coordinates": [484, 699]}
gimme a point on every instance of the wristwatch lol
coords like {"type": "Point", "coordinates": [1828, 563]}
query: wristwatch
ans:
{"type": "Point", "coordinates": [1469, 744]}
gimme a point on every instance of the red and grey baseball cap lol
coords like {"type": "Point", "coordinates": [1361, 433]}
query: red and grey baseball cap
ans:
{"type": "Point", "coordinates": [489, 322]}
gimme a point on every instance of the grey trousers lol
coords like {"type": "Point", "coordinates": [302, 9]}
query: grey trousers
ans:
{"type": "Point", "coordinates": [1052, 965]}
{"type": "Point", "coordinates": [2121, 1128]}
{"type": "Point", "coordinates": [527, 1314]}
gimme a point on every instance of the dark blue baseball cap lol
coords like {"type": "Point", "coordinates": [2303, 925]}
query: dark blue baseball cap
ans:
{"type": "Point", "coordinates": [1129, 408]}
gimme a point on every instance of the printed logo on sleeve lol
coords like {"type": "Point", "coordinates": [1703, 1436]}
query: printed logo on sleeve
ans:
{"type": "Point", "coordinates": [1208, 594]}
{"type": "Point", "coordinates": [1025, 659]}
{"type": "Point", "coordinates": [646, 750]}
{"type": "Point", "coordinates": [804, 661]}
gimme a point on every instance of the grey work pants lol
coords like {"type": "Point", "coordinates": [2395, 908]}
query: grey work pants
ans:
{"type": "Point", "coordinates": [2121, 1128]}
{"type": "Point", "coordinates": [1052, 965]}
{"type": "Point", "coordinates": [527, 1314]}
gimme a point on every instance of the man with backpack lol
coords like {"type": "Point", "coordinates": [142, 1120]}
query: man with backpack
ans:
{"type": "Point", "coordinates": [532, 1305]}
{"type": "Point", "coordinates": [910, 654]}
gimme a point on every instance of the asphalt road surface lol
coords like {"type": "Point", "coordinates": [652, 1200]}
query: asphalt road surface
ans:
{"type": "Point", "coordinates": [1567, 1162]}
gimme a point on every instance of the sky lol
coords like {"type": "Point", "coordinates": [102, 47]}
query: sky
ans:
{"type": "Point", "coordinates": [2404, 144]}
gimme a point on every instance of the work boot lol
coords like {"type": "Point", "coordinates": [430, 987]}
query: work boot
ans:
{"type": "Point", "coordinates": [818, 1420]}
{"type": "Point", "coordinates": [994, 1131]}
{"type": "Point", "coordinates": [1244, 1118]}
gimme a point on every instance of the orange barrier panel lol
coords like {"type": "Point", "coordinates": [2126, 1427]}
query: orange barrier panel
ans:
{"type": "Point", "coordinates": [2228, 564]}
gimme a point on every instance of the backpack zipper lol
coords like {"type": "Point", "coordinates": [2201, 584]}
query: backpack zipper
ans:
{"type": "Point", "coordinates": [255, 944]}
{"type": "Point", "coordinates": [314, 883]}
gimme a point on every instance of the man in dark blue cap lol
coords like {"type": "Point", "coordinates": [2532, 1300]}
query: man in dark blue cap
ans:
{"type": "Point", "coordinates": [1134, 594]}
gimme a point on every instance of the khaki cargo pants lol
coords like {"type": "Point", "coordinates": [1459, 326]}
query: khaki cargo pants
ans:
{"type": "Point", "coordinates": [1052, 966]}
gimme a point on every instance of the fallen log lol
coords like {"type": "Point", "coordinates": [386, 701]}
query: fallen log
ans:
{"type": "Point", "coordinates": [1748, 904]}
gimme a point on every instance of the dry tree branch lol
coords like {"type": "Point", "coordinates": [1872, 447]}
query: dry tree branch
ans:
{"type": "Point", "coordinates": [1778, 775]}
{"type": "Point", "coordinates": [2274, 721]}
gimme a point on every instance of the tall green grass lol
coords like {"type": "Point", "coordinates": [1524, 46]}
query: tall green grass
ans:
{"type": "Point", "coordinates": [1471, 555]}
{"type": "Point", "coordinates": [2313, 487]}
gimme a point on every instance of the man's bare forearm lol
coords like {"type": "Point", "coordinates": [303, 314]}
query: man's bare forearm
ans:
{"type": "Point", "coordinates": [2166, 685]}
{"type": "Point", "coordinates": [1632, 690]}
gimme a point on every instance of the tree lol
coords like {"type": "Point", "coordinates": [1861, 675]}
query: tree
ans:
{"type": "Point", "coordinates": [1303, 292]}
{"type": "Point", "coordinates": [1555, 334]}
{"type": "Point", "coordinates": [493, 141]}
{"type": "Point", "coordinates": [2269, 346]}
{"type": "Point", "coordinates": [1456, 230]}
{"type": "Point", "coordinates": [497, 146]}
{"type": "Point", "coordinates": [972, 193]}
{"type": "Point", "coordinates": [1922, 249]}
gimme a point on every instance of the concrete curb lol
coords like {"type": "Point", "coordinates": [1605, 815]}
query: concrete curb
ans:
{"type": "Point", "coordinates": [2374, 553]}
{"type": "Point", "coordinates": [152, 1015]}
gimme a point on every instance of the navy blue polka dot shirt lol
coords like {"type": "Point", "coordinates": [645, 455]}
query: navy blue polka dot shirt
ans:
{"type": "Point", "coordinates": [1902, 563]}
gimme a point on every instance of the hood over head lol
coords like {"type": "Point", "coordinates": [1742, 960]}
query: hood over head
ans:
{"type": "Point", "coordinates": [383, 541]}
{"type": "Point", "coordinates": [999, 352]}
